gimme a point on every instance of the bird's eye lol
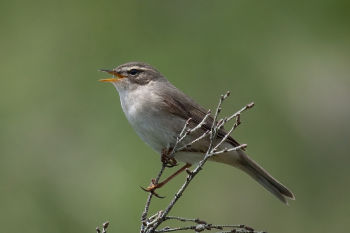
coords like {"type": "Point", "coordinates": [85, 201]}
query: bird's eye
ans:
{"type": "Point", "coordinates": [133, 71]}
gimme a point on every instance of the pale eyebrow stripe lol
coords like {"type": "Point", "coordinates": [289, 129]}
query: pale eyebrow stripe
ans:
{"type": "Point", "coordinates": [137, 67]}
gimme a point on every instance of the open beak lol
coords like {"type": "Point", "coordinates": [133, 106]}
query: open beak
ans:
{"type": "Point", "coordinates": [116, 76]}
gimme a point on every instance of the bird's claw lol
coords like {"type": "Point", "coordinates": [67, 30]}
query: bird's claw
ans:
{"type": "Point", "coordinates": [151, 189]}
{"type": "Point", "coordinates": [168, 161]}
{"type": "Point", "coordinates": [171, 164]}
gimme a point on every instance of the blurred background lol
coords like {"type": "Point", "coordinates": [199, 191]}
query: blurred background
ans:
{"type": "Point", "coordinates": [69, 160]}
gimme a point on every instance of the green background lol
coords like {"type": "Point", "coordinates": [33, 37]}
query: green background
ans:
{"type": "Point", "coordinates": [69, 160]}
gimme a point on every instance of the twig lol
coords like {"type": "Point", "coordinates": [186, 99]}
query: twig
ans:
{"type": "Point", "coordinates": [149, 199]}
{"type": "Point", "coordinates": [248, 106]}
{"type": "Point", "coordinates": [182, 219]}
{"type": "Point", "coordinates": [242, 146]}
{"type": "Point", "coordinates": [184, 133]}
{"type": "Point", "coordinates": [104, 228]}
{"type": "Point", "coordinates": [202, 227]}
{"type": "Point", "coordinates": [168, 229]}
{"type": "Point", "coordinates": [206, 133]}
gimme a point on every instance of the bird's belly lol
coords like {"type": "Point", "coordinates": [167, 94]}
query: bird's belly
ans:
{"type": "Point", "coordinates": [157, 135]}
{"type": "Point", "coordinates": [156, 129]}
{"type": "Point", "coordinates": [189, 157]}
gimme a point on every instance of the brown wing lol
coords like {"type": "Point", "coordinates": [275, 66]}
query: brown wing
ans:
{"type": "Point", "coordinates": [182, 106]}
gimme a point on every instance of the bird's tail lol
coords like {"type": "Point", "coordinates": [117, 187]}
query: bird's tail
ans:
{"type": "Point", "coordinates": [259, 174]}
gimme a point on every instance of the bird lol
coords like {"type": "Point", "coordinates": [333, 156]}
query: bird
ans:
{"type": "Point", "coordinates": [158, 111]}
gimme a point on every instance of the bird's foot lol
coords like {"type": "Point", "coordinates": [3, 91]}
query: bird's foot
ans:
{"type": "Point", "coordinates": [155, 185]}
{"type": "Point", "coordinates": [166, 160]}
{"type": "Point", "coordinates": [152, 187]}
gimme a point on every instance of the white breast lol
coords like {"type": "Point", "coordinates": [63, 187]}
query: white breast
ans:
{"type": "Point", "coordinates": [141, 108]}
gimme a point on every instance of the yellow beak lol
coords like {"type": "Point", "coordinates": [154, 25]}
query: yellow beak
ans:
{"type": "Point", "coordinates": [111, 80]}
{"type": "Point", "coordinates": [116, 77]}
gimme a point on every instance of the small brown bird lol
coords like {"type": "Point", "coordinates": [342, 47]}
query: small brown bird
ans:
{"type": "Point", "coordinates": [157, 110]}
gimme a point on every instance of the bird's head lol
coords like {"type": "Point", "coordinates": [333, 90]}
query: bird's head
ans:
{"type": "Point", "coordinates": [132, 75]}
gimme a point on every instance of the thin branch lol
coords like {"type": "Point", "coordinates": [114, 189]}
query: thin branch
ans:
{"type": "Point", "coordinates": [214, 128]}
{"type": "Point", "coordinates": [104, 228]}
{"type": "Point", "coordinates": [225, 137]}
{"type": "Point", "coordinates": [182, 219]}
{"type": "Point", "coordinates": [206, 133]}
{"type": "Point", "coordinates": [209, 227]}
{"type": "Point", "coordinates": [149, 199]}
{"type": "Point", "coordinates": [184, 128]}
{"type": "Point", "coordinates": [184, 133]}
{"type": "Point", "coordinates": [239, 112]}
{"type": "Point", "coordinates": [201, 123]}
{"type": "Point", "coordinates": [242, 146]}
{"type": "Point", "coordinates": [168, 229]}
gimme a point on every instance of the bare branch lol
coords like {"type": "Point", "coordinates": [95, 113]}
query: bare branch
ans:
{"type": "Point", "coordinates": [195, 220]}
{"type": "Point", "coordinates": [205, 226]}
{"type": "Point", "coordinates": [184, 128]}
{"type": "Point", "coordinates": [201, 123]}
{"type": "Point", "coordinates": [104, 228]}
{"type": "Point", "coordinates": [184, 133]}
{"type": "Point", "coordinates": [168, 229]}
{"type": "Point", "coordinates": [148, 202]}
{"type": "Point", "coordinates": [242, 146]}
{"type": "Point", "coordinates": [206, 133]}
{"type": "Point", "coordinates": [248, 106]}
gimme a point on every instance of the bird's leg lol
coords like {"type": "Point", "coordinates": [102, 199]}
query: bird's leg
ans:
{"type": "Point", "coordinates": [166, 160]}
{"type": "Point", "coordinates": [155, 186]}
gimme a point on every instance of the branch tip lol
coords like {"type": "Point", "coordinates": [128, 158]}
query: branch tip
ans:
{"type": "Point", "coordinates": [250, 105]}
{"type": "Point", "coordinates": [105, 225]}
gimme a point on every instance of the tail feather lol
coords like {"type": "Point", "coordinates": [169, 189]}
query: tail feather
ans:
{"type": "Point", "coordinates": [258, 173]}
{"type": "Point", "coordinates": [265, 179]}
